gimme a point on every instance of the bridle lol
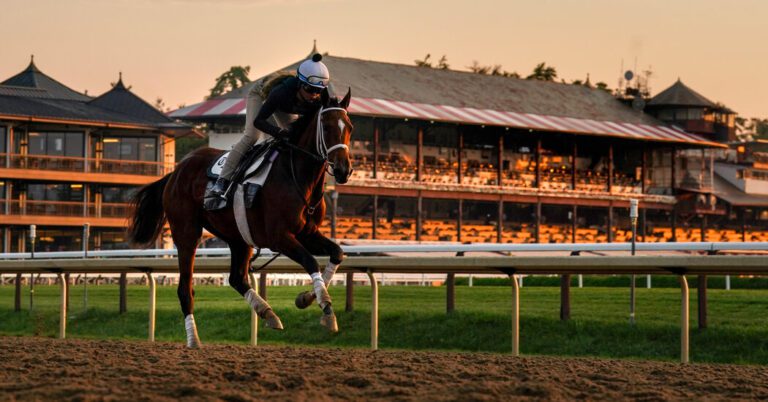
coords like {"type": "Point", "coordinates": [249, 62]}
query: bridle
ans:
{"type": "Point", "coordinates": [322, 153]}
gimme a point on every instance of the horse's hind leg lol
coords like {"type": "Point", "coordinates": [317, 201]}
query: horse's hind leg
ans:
{"type": "Point", "coordinates": [317, 244]}
{"type": "Point", "coordinates": [292, 249]}
{"type": "Point", "coordinates": [186, 238]}
{"type": "Point", "coordinates": [241, 255]}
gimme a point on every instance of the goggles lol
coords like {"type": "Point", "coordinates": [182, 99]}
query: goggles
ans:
{"type": "Point", "coordinates": [310, 89]}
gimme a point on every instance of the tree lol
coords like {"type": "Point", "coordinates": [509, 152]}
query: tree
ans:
{"type": "Point", "coordinates": [160, 105]}
{"type": "Point", "coordinates": [425, 62]}
{"type": "Point", "coordinates": [542, 72]}
{"type": "Point", "coordinates": [234, 78]}
{"type": "Point", "coordinates": [603, 86]}
{"type": "Point", "coordinates": [443, 63]}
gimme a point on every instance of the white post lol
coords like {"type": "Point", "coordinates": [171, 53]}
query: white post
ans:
{"type": "Point", "coordinates": [684, 314]}
{"type": "Point", "coordinates": [581, 281]}
{"type": "Point", "coordinates": [515, 317]}
{"type": "Point", "coordinates": [727, 282]}
{"type": "Point", "coordinates": [254, 317]}
{"type": "Point", "coordinates": [470, 279]}
{"type": "Point", "coordinates": [374, 311]}
{"type": "Point", "coordinates": [152, 305]}
{"type": "Point", "coordinates": [648, 281]}
{"type": "Point", "coordinates": [520, 278]}
{"type": "Point", "coordinates": [62, 308]}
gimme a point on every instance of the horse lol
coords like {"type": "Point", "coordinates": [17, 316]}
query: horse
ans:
{"type": "Point", "coordinates": [284, 216]}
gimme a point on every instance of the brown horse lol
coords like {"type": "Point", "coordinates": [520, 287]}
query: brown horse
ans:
{"type": "Point", "coordinates": [285, 215]}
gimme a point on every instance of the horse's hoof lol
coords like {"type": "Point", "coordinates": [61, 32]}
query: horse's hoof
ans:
{"type": "Point", "coordinates": [194, 344]}
{"type": "Point", "coordinates": [305, 299]}
{"type": "Point", "coordinates": [328, 319]}
{"type": "Point", "coordinates": [271, 320]}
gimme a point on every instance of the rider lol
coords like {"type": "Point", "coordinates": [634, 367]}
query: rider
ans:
{"type": "Point", "coordinates": [294, 97]}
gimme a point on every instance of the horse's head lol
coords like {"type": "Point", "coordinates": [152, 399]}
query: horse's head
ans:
{"type": "Point", "coordinates": [336, 132]}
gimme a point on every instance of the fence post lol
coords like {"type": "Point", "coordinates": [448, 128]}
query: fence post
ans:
{"type": "Point", "coordinates": [123, 301]}
{"type": "Point", "coordinates": [17, 295]}
{"type": "Point", "coordinates": [374, 311]}
{"type": "Point", "coordinates": [450, 288]}
{"type": "Point", "coordinates": [62, 307]}
{"type": "Point", "coordinates": [152, 306]}
{"type": "Point", "coordinates": [702, 299]}
{"type": "Point", "coordinates": [350, 302]}
{"type": "Point", "coordinates": [254, 316]}
{"type": "Point", "coordinates": [565, 297]}
{"type": "Point", "coordinates": [684, 314]}
{"type": "Point", "coordinates": [515, 316]}
{"type": "Point", "coordinates": [263, 285]}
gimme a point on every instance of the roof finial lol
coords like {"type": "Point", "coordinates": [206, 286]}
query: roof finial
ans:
{"type": "Point", "coordinates": [32, 65]}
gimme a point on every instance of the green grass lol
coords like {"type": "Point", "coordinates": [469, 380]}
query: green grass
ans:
{"type": "Point", "coordinates": [415, 318]}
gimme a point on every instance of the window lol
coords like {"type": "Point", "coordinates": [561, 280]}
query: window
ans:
{"type": "Point", "coordinates": [130, 148]}
{"type": "Point", "coordinates": [3, 139]}
{"type": "Point", "coordinates": [56, 144]}
{"type": "Point", "coordinates": [55, 192]}
{"type": "Point", "coordinates": [117, 194]}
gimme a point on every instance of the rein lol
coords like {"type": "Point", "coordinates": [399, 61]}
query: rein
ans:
{"type": "Point", "coordinates": [321, 155]}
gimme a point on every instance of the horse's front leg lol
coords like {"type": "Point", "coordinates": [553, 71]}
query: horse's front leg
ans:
{"type": "Point", "coordinates": [241, 255]}
{"type": "Point", "coordinates": [293, 249]}
{"type": "Point", "coordinates": [318, 244]}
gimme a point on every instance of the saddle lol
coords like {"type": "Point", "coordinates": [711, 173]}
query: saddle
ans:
{"type": "Point", "coordinates": [249, 177]}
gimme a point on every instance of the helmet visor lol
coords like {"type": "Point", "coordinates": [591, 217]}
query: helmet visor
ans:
{"type": "Point", "coordinates": [316, 81]}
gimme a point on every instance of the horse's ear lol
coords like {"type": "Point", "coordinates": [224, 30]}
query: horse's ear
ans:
{"type": "Point", "coordinates": [345, 102]}
{"type": "Point", "coordinates": [325, 97]}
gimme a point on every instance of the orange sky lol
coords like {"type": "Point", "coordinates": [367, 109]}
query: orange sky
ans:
{"type": "Point", "coordinates": [175, 48]}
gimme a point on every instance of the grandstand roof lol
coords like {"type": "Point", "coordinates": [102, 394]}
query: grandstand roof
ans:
{"type": "Point", "coordinates": [402, 91]}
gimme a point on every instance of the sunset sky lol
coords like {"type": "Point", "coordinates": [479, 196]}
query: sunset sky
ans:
{"type": "Point", "coordinates": [174, 49]}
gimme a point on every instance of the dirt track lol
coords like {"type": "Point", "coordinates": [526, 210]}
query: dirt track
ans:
{"type": "Point", "coordinates": [50, 369]}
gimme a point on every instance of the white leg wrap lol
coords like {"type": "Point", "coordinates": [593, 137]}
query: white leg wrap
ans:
{"type": "Point", "coordinates": [328, 273]}
{"type": "Point", "coordinates": [321, 292]}
{"type": "Point", "coordinates": [193, 341]}
{"type": "Point", "coordinates": [258, 304]}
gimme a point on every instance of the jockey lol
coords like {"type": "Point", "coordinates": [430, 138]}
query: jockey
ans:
{"type": "Point", "coordinates": [294, 97]}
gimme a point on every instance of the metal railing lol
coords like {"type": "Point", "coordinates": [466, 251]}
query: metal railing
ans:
{"type": "Point", "coordinates": [148, 263]}
{"type": "Point", "coordinates": [91, 165]}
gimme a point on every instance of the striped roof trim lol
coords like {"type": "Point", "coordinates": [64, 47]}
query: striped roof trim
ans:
{"type": "Point", "coordinates": [467, 115]}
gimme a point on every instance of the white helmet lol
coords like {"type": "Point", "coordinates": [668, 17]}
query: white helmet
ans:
{"type": "Point", "coordinates": [313, 72]}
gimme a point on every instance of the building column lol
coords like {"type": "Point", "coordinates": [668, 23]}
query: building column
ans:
{"type": "Point", "coordinates": [375, 147]}
{"type": "Point", "coordinates": [573, 166]}
{"type": "Point", "coordinates": [419, 214]}
{"type": "Point", "coordinates": [537, 227]}
{"type": "Point", "coordinates": [610, 169]}
{"type": "Point", "coordinates": [703, 228]}
{"type": "Point", "coordinates": [459, 219]}
{"type": "Point", "coordinates": [419, 152]}
{"type": "Point", "coordinates": [574, 223]}
{"type": "Point", "coordinates": [500, 221]}
{"type": "Point", "coordinates": [673, 182]}
{"type": "Point", "coordinates": [86, 149]}
{"type": "Point", "coordinates": [8, 145]}
{"type": "Point", "coordinates": [500, 160]}
{"type": "Point", "coordinates": [743, 224]}
{"type": "Point", "coordinates": [375, 216]}
{"type": "Point", "coordinates": [643, 167]}
{"type": "Point", "coordinates": [460, 146]}
{"type": "Point", "coordinates": [609, 223]}
{"type": "Point", "coordinates": [538, 172]}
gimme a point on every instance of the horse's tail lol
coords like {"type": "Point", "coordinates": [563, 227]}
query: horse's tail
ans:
{"type": "Point", "coordinates": [148, 216]}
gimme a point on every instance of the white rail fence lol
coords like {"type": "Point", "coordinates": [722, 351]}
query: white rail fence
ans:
{"type": "Point", "coordinates": [706, 261]}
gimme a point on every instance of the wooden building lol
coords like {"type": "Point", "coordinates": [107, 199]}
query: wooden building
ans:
{"type": "Point", "coordinates": [67, 159]}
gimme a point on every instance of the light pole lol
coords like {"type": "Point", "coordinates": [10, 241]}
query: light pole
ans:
{"type": "Point", "coordinates": [32, 237]}
{"type": "Point", "coordinates": [633, 219]}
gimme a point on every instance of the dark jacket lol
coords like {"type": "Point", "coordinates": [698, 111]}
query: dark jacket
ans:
{"type": "Point", "coordinates": [284, 97]}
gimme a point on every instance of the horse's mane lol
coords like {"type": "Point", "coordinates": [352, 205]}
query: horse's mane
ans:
{"type": "Point", "coordinates": [300, 125]}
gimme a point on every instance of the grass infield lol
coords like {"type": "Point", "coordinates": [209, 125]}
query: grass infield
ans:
{"type": "Point", "coordinates": [415, 318]}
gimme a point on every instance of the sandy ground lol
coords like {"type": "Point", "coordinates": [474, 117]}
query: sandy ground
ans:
{"type": "Point", "coordinates": [51, 369]}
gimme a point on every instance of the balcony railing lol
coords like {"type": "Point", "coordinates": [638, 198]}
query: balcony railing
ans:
{"type": "Point", "coordinates": [65, 208]}
{"type": "Point", "coordinates": [90, 165]}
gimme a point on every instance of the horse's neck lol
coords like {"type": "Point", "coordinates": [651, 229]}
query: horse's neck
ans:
{"type": "Point", "coordinates": [308, 171]}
